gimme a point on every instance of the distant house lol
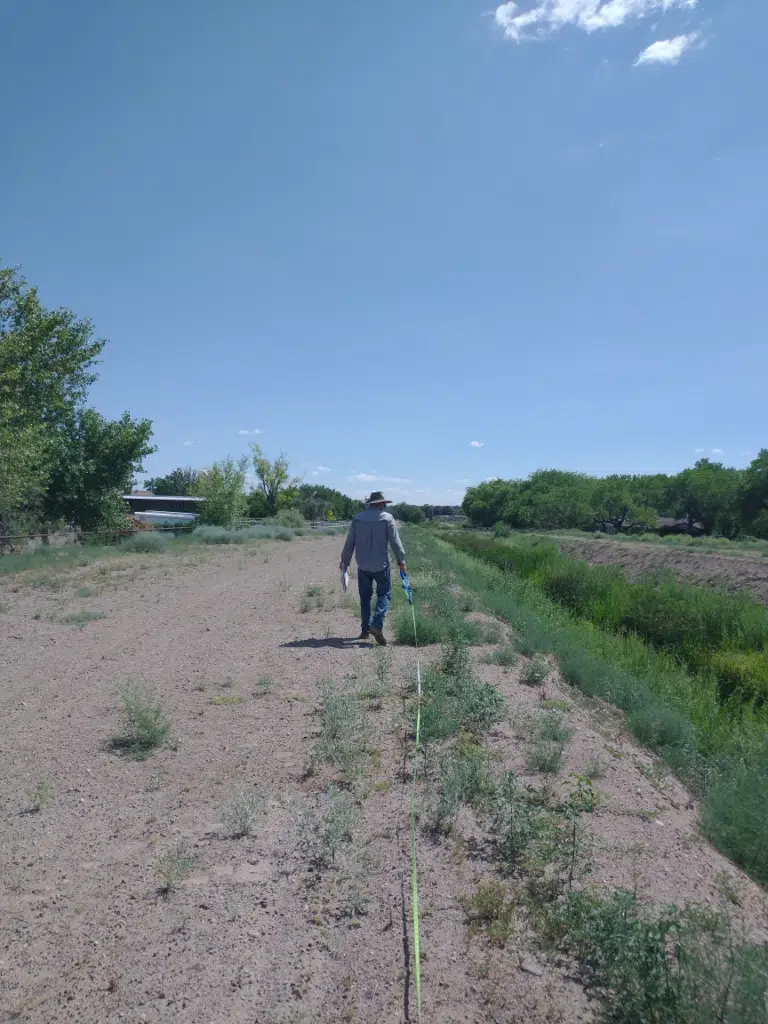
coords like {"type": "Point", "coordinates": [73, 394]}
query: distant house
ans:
{"type": "Point", "coordinates": [162, 509]}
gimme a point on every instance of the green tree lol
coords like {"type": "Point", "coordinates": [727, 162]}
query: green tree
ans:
{"type": "Point", "coordinates": [615, 500]}
{"type": "Point", "coordinates": [709, 493]}
{"type": "Point", "coordinates": [181, 481]}
{"type": "Point", "coordinates": [46, 356]}
{"type": "Point", "coordinates": [23, 475]}
{"type": "Point", "coordinates": [95, 461]}
{"type": "Point", "coordinates": [753, 499]}
{"type": "Point", "coordinates": [223, 487]}
{"type": "Point", "coordinates": [274, 477]}
{"type": "Point", "coordinates": [408, 513]}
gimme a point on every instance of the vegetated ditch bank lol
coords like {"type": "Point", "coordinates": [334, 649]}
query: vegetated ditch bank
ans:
{"type": "Point", "coordinates": [741, 569]}
{"type": "Point", "coordinates": [715, 741]}
{"type": "Point", "coordinates": [638, 962]}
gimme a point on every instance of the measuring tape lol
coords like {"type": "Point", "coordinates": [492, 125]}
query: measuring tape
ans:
{"type": "Point", "coordinates": [414, 862]}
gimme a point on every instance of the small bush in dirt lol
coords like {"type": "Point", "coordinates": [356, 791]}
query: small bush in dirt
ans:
{"type": "Point", "coordinates": [264, 685]}
{"type": "Point", "coordinates": [505, 656]}
{"type": "Point", "coordinates": [454, 699]}
{"type": "Point", "coordinates": [490, 908]}
{"type": "Point", "coordinates": [344, 733]}
{"type": "Point", "coordinates": [595, 768]}
{"type": "Point", "coordinates": [173, 867]}
{"type": "Point", "coordinates": [147, 726]}
{"type": "Point", "coordinates": [462, 776]}
{"type": "Point", "coordinates": [324, 829]}
{"type": "Point", "coordinates": [146, 543]}
{"type": "Point", "coordinates": [535, 672]}
{"type": "Point", "coordinates": [240, 816]}
{"type": "Point", "coordinates": [81, 619]}
{"type": "Point", "coordinates": [39, 797]}
{"type": "Point", "coordinates": [551, 727]}
{"type": "Point", "coordinates": [517, 822]}
{"type": "Point", "coordinates": [545, 757]}
{"type": "Point", "coordinates": [671, 966]}
{"type": "Point", "coordinates": [524, 647]}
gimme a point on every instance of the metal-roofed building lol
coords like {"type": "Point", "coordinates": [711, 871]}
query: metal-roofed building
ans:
{"type": "Point", "coordinates": [164, 508]}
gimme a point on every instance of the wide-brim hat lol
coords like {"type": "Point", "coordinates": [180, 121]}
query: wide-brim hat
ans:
{"type": "Point", "coordinates": [377, 498]}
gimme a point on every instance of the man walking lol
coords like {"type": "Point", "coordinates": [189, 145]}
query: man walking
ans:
{"type": "Point", "coordinates": [370, 535]}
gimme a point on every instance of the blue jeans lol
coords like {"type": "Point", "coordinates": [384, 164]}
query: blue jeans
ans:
{"type": "Point", "coordinates": [365, 581]}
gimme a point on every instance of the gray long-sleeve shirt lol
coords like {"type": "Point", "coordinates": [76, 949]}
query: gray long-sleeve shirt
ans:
{"type": "Point", "coordinates": [370, 534]}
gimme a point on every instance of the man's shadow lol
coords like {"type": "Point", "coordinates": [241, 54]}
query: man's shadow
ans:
{"type": "Point", "coordinates": [339, 642]}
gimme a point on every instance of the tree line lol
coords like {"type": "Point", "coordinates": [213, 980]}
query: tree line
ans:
{"type": "Point", "coordinates": [63, 464]}
{"type": "Point", "coordinates": [224, 488]}
{"type": "Point", "coordinates": [708, 497]}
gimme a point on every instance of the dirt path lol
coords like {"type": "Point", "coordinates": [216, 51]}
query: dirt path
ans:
{"type": "Point", "coordinates": [254, 933]}
{"type": "Point", "coordinates": [700, 567]}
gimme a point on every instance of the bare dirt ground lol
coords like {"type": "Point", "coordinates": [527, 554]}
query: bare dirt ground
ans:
{"type": "Point", "coordinates": [254, 933]}
{"type": "Point", "coordinates": [707, 568]}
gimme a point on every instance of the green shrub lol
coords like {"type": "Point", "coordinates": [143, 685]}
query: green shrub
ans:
{"type": "Point", "coordinates": [535, 672]}
{"type": "Point", "coordinates": [326, 827]}
{"type": "Point", "coordinates": [290, 517]}
{"type": "Point", "coordinates": [344, 733]}
{"type": "Point", "coordinates": [463, 776]}
{"type": "Point", "coordinates": [506, 656]}
{"type": "Point", "coordinates": [743, 674]}
{"type": "Point", "coordinates": [491, 908]}
{"type": "Point", "coordinates": [674, 966]}
{"type": "Point", "coordinates": [147, 726]}
{"type": "Point", "coordinates": [502, 529]}
{"type": "Point", "coordinates": [146, 543]}
{"type": "Point", "coordinates": [454, 699]}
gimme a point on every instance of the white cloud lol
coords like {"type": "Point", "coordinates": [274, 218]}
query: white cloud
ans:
{"type": "Point", "coordinates": [247, 433]}
{"type": "Point", "coordinates": [187, 444]}
{"type": "Point", "coordinates": [477, 444]}
{"type": "Point", "coordinates": [536, 18]}
{"type": "Point", "coordinates": [667, 51]}
{"type": "Point", "coordinates": [717, 451]}
{"type": "Point", "coordinates": [465, 482]}
{"type": "Point", "coordinates": [320, 469]}
{"type": "Point", "coordinates": [699, 450]}
{"type": "Point", "coordinates": [374, 478]}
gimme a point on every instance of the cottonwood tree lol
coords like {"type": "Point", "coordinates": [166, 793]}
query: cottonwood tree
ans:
{"type": "Point", "coordinates": [223, 487]}
{"type": "Point", "coordinates": [274, 477]}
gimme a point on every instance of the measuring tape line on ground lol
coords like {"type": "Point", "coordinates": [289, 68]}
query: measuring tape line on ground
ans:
{"type": "Point", "coordinates": [417, 747]}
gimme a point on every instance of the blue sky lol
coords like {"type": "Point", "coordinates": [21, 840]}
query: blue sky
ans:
{"type": "Point", "coordinates": [378, 233]}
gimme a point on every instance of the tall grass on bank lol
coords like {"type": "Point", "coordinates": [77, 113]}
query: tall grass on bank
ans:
{"type": "Point", "coordinates": [705, 628]}
{"type": "Point", "coordinates": [720, 750]}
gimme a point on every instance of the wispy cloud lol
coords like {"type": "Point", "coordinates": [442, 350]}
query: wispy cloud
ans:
{"type": "Point", "coordinates": [320, 469]}
{"type": "Point", "coordinates": [667, 51]}
{"type": "Point", "coordinates": [698, 451]}
{"type": "Point", "coordinates": [374, 478]}
{"type": "Point", "coordinates": [536, 18]}
{"type": "Point", "coordinates": [188, 444]}
{"type": "Point", "coordinates": [465, 482]}
{"type": "Point", "coordinates": [717, 451]}
{"type": "Point", "coordinates": [477, 444]}
{"type": "Point", "coordinates": [247, 433]}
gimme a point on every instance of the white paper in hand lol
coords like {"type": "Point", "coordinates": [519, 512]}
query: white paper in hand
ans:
{"type": "Point", "coordinates": [345, 581]}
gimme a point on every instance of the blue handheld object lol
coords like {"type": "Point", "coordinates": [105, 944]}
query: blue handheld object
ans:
{"type": "Point", "coordinates": [407, 586]}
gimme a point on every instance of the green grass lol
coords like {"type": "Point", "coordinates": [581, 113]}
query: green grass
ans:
{"type": "Point", "coordinates": [147, 543]}
{"type": "Point", "coordinates": [147, 726]}
{"type": "Point", "coordinates": [720, 750]}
